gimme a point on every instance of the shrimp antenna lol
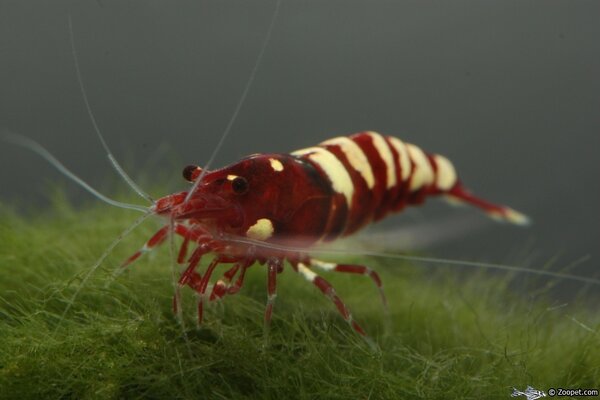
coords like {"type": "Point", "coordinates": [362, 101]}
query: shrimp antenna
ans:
{"type": "Point", "coordinates": [421, 259]}
{"type": "Point", "coordinates": [239, 104]}
{"type": "Point", "coordinates": [34, 146]}
{"type": "Point", "coordinates": [111, 158]}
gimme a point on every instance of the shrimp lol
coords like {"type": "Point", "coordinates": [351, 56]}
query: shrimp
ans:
{"type": "Point", "coordinates": [317, 194]}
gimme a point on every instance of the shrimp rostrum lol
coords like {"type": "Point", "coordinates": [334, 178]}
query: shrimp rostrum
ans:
{"type": "Point", "coordinates": [272, 208]}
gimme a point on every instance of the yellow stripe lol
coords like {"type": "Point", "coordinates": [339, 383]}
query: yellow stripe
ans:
{"type": "Point", "coordinates": [445, 175]}
{"type": "Point", "coordinates": [355, 157]}
{"type": "Point", "coordinates": [386, 155]}
{"type": "Point", "coordinates": [403, 157]}
{"type": "Point", "coordinates": [333, 168]}
{"type": "Point", "coordinates": [422, 172]}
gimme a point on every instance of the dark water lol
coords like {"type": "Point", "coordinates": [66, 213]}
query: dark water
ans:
{"type": "Point", "coordinates": [509, 90]}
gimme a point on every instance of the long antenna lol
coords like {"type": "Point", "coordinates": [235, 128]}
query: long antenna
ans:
{"type": "Point", "coordinates": [111, 158]}
{"type": "Point", "coordinates": [37, 148]}
{"type": "Point", "coordinates": [240, 102]}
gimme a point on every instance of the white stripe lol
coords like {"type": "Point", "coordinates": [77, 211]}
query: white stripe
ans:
{"type": "Point", "coordinates": [445, 174]}
{"type": "Point", "coordinates": [325, 266]}
{"type": "Point", "coordinates": [356, 157]}
{"type": "Point", "coordinates": [388, 158]}
{"type": "Point", "coordinates": [403, 158]}
{"type": "Point", "coordinates": [306, 272]}
{"type": "Point", "coordinates": [422, 173]}
{"type": "Point", "coordinates": [333, 168]}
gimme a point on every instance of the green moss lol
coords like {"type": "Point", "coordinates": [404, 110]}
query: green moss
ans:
{"type": "Point", "coordinates": [446, 336]}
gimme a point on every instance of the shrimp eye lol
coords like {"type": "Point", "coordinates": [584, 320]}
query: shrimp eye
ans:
{"type": "Point", "coordinates": [239, 185]}
{"type": "Point", "coordinates": [191, 172]}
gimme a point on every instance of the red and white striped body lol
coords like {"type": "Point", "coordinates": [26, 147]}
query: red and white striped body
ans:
{"type": "Point", "coordinates": [320, 193]}
{"type": "Point", "coordinates": [374, 175]}
{"type": "Point", "coordinates": [312, 195]}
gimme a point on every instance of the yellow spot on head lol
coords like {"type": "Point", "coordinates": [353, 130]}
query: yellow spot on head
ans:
{"type": "Point", "coordinates": [276, 164]}
{"type": "Point", "coordinates": [261, 230]}
{"type": "Point", "coordinates": [231, 177]}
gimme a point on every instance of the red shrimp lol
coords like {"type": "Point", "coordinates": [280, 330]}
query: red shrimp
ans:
{"type": "Point", "coordinates": [310, 196]}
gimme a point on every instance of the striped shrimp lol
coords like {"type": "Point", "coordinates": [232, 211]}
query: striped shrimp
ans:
{"type": "Point", "coordinates": [310, 196]}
